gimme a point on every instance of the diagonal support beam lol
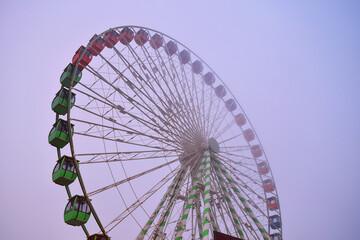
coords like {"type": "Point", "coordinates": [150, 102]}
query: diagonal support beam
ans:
{"type": "Point", "coordinates": [249, 212]}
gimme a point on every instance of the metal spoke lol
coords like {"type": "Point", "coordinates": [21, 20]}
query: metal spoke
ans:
{"type": "Point", "coordinates": [142, 199]}
{"type": "Point", "coordinates": [130, 178]}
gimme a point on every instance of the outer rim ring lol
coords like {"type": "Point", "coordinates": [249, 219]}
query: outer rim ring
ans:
{"type": "Point", "coordinates": [228, 89]}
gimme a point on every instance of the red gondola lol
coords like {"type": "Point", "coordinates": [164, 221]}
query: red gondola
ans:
{"type": "Point", "coordinates": [111, 38]}
{"type": "Point", "coordinates": [141, 37]}
{"type": "Point", "coordinates": [240, 119]}
{"type": "Point", "coordinates": [263, 168]}
{"type": "Point", "coordinates": [171, 48]}
{"type": "Point", "coordinates": [220, 91]}
{"type": "Point", "coordinates": [156, 41]}
{"type": "Point", "coordinates": [197, 67]}
{"type": "Point", "coordinates": [126, 36]}
{"type": "Point", "coordinates": [268, 185]}
{"type": "Point", "coordinates": [184, 56]}
{"type": "Point", "coordinates": [272, 203]}
{"type": "Point", "coordinates": [85, 60]}
{"type": "Point", "coordinates": [97, 46]}
{"type": "Point", "coordinates": [256, 151]}
{"type": "Point", "coordinates": [230, 105]}
{"type": "Point", "coordinates": [209, 78]}
{"type": "Point", "coordinates": [249, 135]}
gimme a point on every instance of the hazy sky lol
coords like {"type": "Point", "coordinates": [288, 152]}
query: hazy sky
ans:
{"type": "Point", "coordinates": [293, 65]}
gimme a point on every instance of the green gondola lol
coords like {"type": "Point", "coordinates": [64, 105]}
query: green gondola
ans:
{"type": "Point", "coordinates": [77, 211]}
{"type": "Point", "coordinates": [60, 102]}
{"type": "Point", "coordinates": [98, 237]}
{"type": "Point", "coordinates": [59, 134]}
{"type": "Point", "coordinates": [64, 171]}
{"type": "Point", "coordinates": [65, 78]}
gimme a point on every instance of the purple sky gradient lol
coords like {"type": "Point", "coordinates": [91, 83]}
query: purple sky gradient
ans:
{"type": "Point", "coordinates": [293, 65]}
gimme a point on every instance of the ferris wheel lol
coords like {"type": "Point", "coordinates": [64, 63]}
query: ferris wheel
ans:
{"type": "Point", "coordinates": [152, 145]}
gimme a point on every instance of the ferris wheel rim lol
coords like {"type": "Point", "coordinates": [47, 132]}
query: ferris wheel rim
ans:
{"type": "Point", "coordinates": [149, 29]}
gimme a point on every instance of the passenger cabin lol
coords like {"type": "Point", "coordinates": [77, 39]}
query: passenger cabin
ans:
{"type": "Point", "coordinates": [240, 119]}
{"type": "Point", "coordinates": [77, 211]}
{"type": "Point", "coordinates": [184, 56]}
{"type": "Point", "coordinates": [96, 46]}
{"type": "Point", "coordinates": [141, 37]}
{"type": "Point", "coordinates": [275, 222]}
{"type": "Point", "coordinates": [126, 36]}
{"type": "Point", "coordinates": [209, 78]}
{"type": "Point", "coordinates": [276, 236]}
{"type": "Point", "coordinates": [256, 151]}
{"type": "Point", "coordinates": [272, 203]}
{"type": "Point", "coordinates": [197, 67]}
{"type": "Point", "coordinates": [98, 237]}
{"type": "Point", "coordinates": [156, 41]}
{"type": "Point", "coordinates": [263, 168]}
{"type": "Point", "coordinates": [66, 76]}
{"type": "Point", "coordinates": [249, 135]}
{"type": "Point", "coordinates": [268, 185]}
{"type": "Point", "coordinates": [220, 91]}
{"type": "Point", "coordinates": [230, 105]}
{"type": "Point", "coordinates": [64, 171]}
{"type": "Point", "coordinates": [60, 102]}
{"type": "Point", "coordinates": [84, 60]}
{"type": "Point", "coordinates": [59, 134]}
{"type": "Point", "coordinates": [111, 38]}
{"type": "Point", "coordinates": [170, 48]}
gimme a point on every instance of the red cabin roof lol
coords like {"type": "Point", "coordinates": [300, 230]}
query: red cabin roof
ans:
{"type": "Point", "coordinates": [85, 60]}
{"type": "Point", "coordinates": [141, 37]}
{"type": "Point", "coordinates": [156, 41]}
{"type": "Point", "coordinates": [171, 48]}
{"type": "Point", "coordinates": [249, 135]}
{"type": "Point", "coordinates": [268, 185]}
{"type": "Point", "coordinates": [184, 56]}
{"type": "Point", "coordinates": [263, 167]}
{"type": "Point", "coordinates": [256, 151]}
{"type": "Point", "coordinates": [272, 203]}
{"type": "Point", "coordinates": [111, 38]}
{"type": "Point", "coordinates": [240, 119]}
{"type": "Point", "coordinates": [197, 67]}
{"type": "Point", "coordinates": [97, 46]}
{"type": "Point", "coordinates": [126, 36]}
{"type": "Point", "coordinates": [230, 105]}
{"type": "Point", "coordinates": [209, 78]}
{"type": "Point", "coordinates": [220, 91]}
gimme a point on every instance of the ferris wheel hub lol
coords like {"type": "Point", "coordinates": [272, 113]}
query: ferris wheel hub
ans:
{"type": "Point", "coordinates": [195, 144]}
{"type": "Point", "coordinates": [214, 145]}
